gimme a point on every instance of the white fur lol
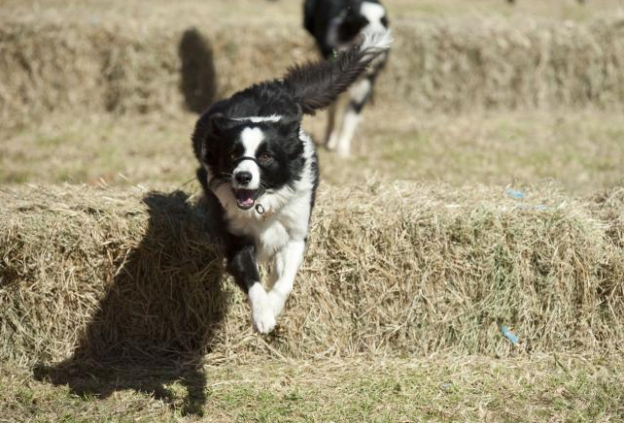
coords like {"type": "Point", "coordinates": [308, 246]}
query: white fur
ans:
{"type": "Point", "coordinates": [376, 39]}
{"type": "Point", "coordinates": [287, 262]}
{"type": "Point", "coordinates": [251, 139]}
{"type": "Point", "coordinates": [289, 210]}
{"type": "Point", "coordinates": [373, 12]}
{"type": "Point", "coordinates": [376, 36]}
{"type": "Point", "coordinates": [280, 236]}
{"type": "Point", "coordinates": [349, 124]}
{"type": "Point", "coordinates": [261, 311]}
{"type": "Point", "coordinates": [340, 140]}
{"type": "Point", "coordinates": [359, 90]}
{"type": "Point", "coordinates": [257, 119]}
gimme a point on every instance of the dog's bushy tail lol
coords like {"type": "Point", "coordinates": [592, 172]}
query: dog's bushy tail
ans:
{"type": "Point", "coordinates": [316, 85]}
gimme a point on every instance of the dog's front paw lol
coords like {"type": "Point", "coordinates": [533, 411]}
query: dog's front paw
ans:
{"type": "Point", "coordinates": [276, 302]}
{"type": "Point", "coordinates": [261, 313]}
{"type": "Point", "coordinates": [263, 319]}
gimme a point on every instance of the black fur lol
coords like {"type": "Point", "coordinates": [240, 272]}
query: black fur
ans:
{"type": "Point", "coordinates": [318, 17]}
{"type": "Point", "coordinates": [303, 90]}
{"type": "Point", "coordinates": [215, 143]}
{"type": "Point", "coordinates": [336, 24]}
{"type": "Point", "coordinates": [317, 86]}
{"type": "Point", "coordinates": [241, 261]}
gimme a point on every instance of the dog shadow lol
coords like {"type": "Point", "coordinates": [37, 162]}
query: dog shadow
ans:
{"type": "Point", "coordinates": [198, 82]}
{"type": "Point", "coordinates": [159, 316]}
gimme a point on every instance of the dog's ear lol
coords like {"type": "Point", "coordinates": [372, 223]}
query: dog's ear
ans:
{"type": "Point", "coordinates": [218, 123]}
{"type": "Point", "coordinates": [208, 127]}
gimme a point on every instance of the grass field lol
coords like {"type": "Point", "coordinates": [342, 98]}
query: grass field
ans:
{"type": "Point", "coordinates": [438, 389]}
{"type": "Point", "coordinates": [578, 150]}
{"type": "Point", "coordinates": [581, 151]}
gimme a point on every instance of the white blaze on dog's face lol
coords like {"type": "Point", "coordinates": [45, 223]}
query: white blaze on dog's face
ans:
{"type": "Point", "coordinates": [375, 14]}
{"type": "Point", "coordinates": [248, 158]}
{"type": "Point", "coordinates": [246, 173]}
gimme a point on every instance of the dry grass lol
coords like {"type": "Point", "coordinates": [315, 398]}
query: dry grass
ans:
{"type": "Point", "coordinates": [435, 389]}
{"type": "Point", "coordinates": [581, 151]}
{"type": "Point", "coordinates": [101, 273]}
{"type": "Point", "coordinates": [265, 11]}
{"type": "Point", "coordinates": [444, 63]}
{"type": "Point", "coordinates": [113, 301]}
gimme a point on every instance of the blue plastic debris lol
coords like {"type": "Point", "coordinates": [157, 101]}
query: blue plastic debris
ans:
{"type": "Point", "coordinates": [513, 338]}
{"type": "Point", "coordinates": [514, 193]}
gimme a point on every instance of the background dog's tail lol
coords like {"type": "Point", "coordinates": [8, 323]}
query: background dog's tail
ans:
{"type": "Point", "coordinates": [316, 85]}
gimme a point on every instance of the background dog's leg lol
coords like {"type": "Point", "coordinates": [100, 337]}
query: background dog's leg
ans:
{"type": "Point", "coordinates": [331, 137]}
{"type": "Point", "coordinates": [287, 262]}
{"type": "Point", "coordinates": [243, 267]}
{"type": "Point", "coordinates": [350, 122]}
{"type": "Point", "coordinates": [359, 93]}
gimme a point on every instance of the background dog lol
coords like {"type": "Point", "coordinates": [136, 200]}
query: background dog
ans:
{"type": "Point", "coordinates": [335, 25]}
{"type": "Point", "coordinates": [259, 170]}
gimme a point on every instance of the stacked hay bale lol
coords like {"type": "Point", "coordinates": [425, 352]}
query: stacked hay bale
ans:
{"type": "Point", "coordinates": [449, 64]}
{"type": "Point", "coordinates": [393, 270]}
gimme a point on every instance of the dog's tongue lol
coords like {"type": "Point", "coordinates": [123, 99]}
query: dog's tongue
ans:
{"type": "Point", "coordinates": [245, 198]}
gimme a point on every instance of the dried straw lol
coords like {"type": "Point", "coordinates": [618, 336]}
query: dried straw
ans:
{"type": "Point", "coordinates": [449, 64]}
{"type": "Point", "coordinates": [391, 270]}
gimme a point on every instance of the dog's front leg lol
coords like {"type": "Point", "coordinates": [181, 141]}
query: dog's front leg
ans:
{"type": "Point", "coordinates": [243, 267]}
{"type": "Point", "coordinates": [287, 262]}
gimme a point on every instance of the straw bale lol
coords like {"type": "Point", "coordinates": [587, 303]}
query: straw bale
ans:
{"type": "Point", "coordinates": [391, 270]}
{"type": "Point", "coordinates": [449, 64]}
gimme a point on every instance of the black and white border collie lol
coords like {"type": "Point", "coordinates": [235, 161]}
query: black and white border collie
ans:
{"type": "Point", "coordinates": [336, 25]}
{"type": "Point", "coordinates": [259, 170]}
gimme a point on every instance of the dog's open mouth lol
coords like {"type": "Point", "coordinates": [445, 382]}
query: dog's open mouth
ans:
{"type": "Point", "coordinates": [245, 198]}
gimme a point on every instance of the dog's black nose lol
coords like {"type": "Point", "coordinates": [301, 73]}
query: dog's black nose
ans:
{"type": "Point", "coordinates": [243, 177]}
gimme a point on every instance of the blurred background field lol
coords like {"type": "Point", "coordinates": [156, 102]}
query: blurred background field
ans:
{"type": "Point", "coordinates": [479, 92]}
{"type": "Point", "coordinates": [485, 189]}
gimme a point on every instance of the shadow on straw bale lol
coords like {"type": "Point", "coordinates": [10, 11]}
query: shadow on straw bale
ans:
{"type": "Point", "coordinates": [158, 318]}
{"type": "Point", "coordinates": [442, 64]}
{"type": "Point", "coordinates": [198, 79]}
{"type": "Point", "coordinates": [98, 276]}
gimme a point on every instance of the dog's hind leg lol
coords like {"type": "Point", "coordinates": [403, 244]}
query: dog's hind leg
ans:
{"type": "Point", "coordinates": [359, 94]}
{"type": "Point", "coordinates": [331, 137]}
{"type": "Point", "coordinates": [287, 262]}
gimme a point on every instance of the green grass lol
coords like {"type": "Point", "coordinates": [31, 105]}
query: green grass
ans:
{"type": "Point", "coordinates": [465, 389]}
{"type": "Point", "coordinates": [581, 151]}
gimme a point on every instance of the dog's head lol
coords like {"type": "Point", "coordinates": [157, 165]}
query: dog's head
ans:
{"type": "Point", "coordinates": [248, 159]}
{"type": "Point", "coordinates": [361, 15]}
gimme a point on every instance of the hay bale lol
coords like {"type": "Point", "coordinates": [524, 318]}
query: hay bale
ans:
{"type": "Point", "coordinates": [129, 68]}
{"type": "Point", "coordinates": [450, 64]}
{"type": "Point", "coordinates": [396, 270]}
{"type": "Point", "coordinates": [461, 64]}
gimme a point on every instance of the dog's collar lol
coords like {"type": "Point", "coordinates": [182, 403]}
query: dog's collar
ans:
{"type": "Point", "coordinates": [264, 212]}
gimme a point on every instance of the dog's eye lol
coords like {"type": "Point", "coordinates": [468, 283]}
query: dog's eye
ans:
{"type": "Point", "coordinates": [233, 155]}
{"type": "Point", "coordinates": [265, 158]}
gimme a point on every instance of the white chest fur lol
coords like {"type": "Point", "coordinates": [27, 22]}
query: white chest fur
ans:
{"type": "Point", "coordinates": [273, 230]}
{"type": "Point", "coordinates": [286, 210]}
